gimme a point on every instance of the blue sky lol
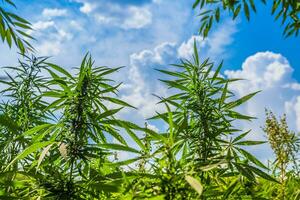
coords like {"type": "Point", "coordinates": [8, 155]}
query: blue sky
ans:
{"type": "Point", "coordinates": [143, 35]}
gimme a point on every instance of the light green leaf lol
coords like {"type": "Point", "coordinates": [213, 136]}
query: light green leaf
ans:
{"type": "Point", "coordinates": [195, 184]}
{"type": "Point", "coordinates": [31, 149]}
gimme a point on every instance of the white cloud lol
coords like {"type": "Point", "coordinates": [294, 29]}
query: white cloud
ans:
{"type": "Point", "coordinates": [294, 86]}
{"type": "Point", "coordinates": [213, 46]}
{"type": "Point", "coordinates": [272, 74]}
{"type": "Point", "coordinates": [142, 85]}
{"type": "Point", "coordinates": [114, 14]}
{"type": "Point", "coordinates": [264, 70]}
{"type": "Point", "coordinates": [87, 7]}
{"type": "Point", "coordinates": [138, 18]}
{"type": "Point", "coordinates": [153, 128]}
{"type": "Point", "coordinates": [42, 25]}
{"type": "Point", "coordinates": [102, 19]}
{"type": "Point", "coordinates": [49, 48]}
{"type": "Point", "coordinates": [51, 37]}
{"type": "Point", "coordinates": [141, 82]}
{"type": "Point", "coordinates": [54, 12]}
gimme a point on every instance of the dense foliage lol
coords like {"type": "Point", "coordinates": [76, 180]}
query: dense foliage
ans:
{"type": "Point", "coordinates": [61, 134]}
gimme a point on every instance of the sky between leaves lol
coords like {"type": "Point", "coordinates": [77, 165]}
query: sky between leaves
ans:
{"type": "Point", "coordinates": [147, 34]}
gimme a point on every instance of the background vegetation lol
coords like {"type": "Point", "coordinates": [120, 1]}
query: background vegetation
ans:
{"type": "Point", "coordinates": [60, 134]}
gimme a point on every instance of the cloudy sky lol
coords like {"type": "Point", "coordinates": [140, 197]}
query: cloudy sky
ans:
{"type": "Point", "coordinates": [147, 34]}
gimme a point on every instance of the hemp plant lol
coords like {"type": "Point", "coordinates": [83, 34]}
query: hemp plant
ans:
{"type": "Point", "coordinates": [70, 152]}
{"type": "Point", "coordinates": [285, 145]}
{"type": "Point", "coordinates": [20, 110]}
{"type": "Point", "coordinates": [203, 112]}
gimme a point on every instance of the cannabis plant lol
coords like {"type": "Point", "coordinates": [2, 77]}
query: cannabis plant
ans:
{"type": "Point", "coordinates": [203, 113]}
{"type": "Point", "coordinates": [21, 109]}
{"type": "Point", "coordinates": [69, 152]}
{"type": "Point", "coordinates": [285, 145]}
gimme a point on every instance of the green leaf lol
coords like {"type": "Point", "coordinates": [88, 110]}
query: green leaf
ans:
{"type": "Point", "coordinates": [31, 149]}
{"type": "Point", "coordinates": [248, 143]}
{"type": "Point", "coordinates": [118, 147]}
{"type": "Point", "coordinates": [217, 14]}
{"type": "Point", "coordinates": [124, 162]}
{"type": "Point", "coordinates": [241, 136]}
{"type": "Point", "coordinates": [8, 38]}
{"type": "Point", "coordinates": [240, 101]}
{"type": "Point", "coordinates": [118, 101]}
{"type": "Point", "coordinates": [35, 130]}
{"type": "Point", "coordinates": [252, 158]}
{"type": "Point", "coordinates": [253, 5]}
{"type": "Point", "coordinates": [7, 197]}
{"type": "Point", "coordinates": [196, 56]}
{"type": "Point", "coordinates": [135, 138]}
{"type": "Point", "coordinates": [155, 135]}
{"type": "Point", "coordinates": [9, 123]}
{"type": "Point", "coordinates": [103, 187]}
{"type": "Point", "coordinates": [24, 26]}
{"type": "Point", "coordinates": [212, 166]}
{"type": "Point", "coordinates": [108, 113]}
{"type": "Point", "coordinates": [236, 115]}
{"type": "Point", "coordinates": [260, 173]}
{"type": "Point", "coordinates": [60, 69]}
{"type": "Point", "coordinates": [160, 197]}
{"type": "Point", "coordinates": [172, 73]}
{"type": "Point", "coordinates": [246, 10]}
{"type": "Point", "coordinates": [245, 172]}
{"type": "Point", "coordinates": [230, 189]}
{"type": "Point", "coordinates": [174, 84]}
{"type": "Point", "coordinates": [196, 3]}
{"type": "Point", "coordinates": [224, 95]}
{"type": "Point", "coordinates": [16, 17]}
{"type": "Point", "coordinates": [237, 11]}
{"type": "Point", "coordinates": [217, 71]}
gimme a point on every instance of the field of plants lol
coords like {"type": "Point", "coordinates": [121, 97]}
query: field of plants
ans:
{"type": "Point", "coordinates": [60, 131]}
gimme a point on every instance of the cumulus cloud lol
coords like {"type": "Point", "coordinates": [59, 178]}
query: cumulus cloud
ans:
{"type": "Point", "coordinates": [213, 46]}
{"type": "Point", "coordinates": [272, 74]}
{"type": "Point", "coordinates": [115, 14]}
{"type": "Point", "coordinates": [143, 81]}
{"type": "Point", "coordinates": [51, 37]}
{"type": "Point", "coordinates": [141, 86]}
{"type": "Point", "coordinates": [264, 70]}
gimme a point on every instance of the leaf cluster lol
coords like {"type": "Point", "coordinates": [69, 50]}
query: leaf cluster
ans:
{"type": "Point", "coordinates": [285, 10]}
{"type": "Point", "coordinates": [13, 28]}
